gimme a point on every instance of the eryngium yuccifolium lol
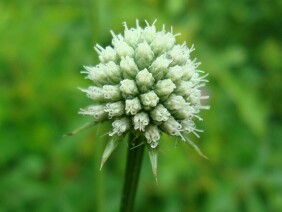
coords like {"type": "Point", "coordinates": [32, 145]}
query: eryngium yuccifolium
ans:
{"type": "Point", "coordinates": [146, 83]}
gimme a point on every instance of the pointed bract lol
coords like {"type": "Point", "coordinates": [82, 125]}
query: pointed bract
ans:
{"type": "Point", "coordinates": [110, 147]}
{"type": "Point", "coordinates": [196, 148]}
{"type": "Point", "coordinates": [83, 127]}
{"type": "Point", "coordinates": [153, 154]}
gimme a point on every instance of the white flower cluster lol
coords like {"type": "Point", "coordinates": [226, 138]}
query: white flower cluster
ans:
{"type": "Point", "coordinates": [146, 83]}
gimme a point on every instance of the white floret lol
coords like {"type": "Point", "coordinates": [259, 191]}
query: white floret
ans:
{"type": "Point", "coordinates": [114, 109]}
{"type": "Point", "coordinates": [152, 134]}
{"type": "Point", "coordinates": [128, 88]}
{"type": "Point", "coordinates": [140, 121]}
{"type": "Point", "coordinates": [160, 113]}
{"type": "Point", "coordinates": [120, 126]}
{"type": "Point", "coordinates": [132, 106]}
{"type": "Point", "coordinates": [144, 80]}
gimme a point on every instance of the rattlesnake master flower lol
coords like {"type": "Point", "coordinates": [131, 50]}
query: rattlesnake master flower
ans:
{"type": "Point", "coordinates": [148, 85]}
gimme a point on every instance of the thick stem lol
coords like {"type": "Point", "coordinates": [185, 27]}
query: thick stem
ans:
{"type": "Point", "coordinates": [133, 166]}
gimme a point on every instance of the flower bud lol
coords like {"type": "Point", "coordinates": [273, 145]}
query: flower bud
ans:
{"type": "Point", "coordinates": [152, 134]}
{"type": "Point", "coordinates": [128, 88]}
{"type": "Point", "coordinates": [188, 125]}
{"type": "Point", "coordinates": [97, 74]}
{"type": "Point", "coordinates": [132, 106]}
{"type": "Point", "coordinates": [160, 113]}
{"type": "Point", "coordinates": [175, 102]}
{"type": "Point", "coordinates": [123, 49]}
{"type": "Point", "coordinates": [94, 92]}
{"type": "Point", "coordinates": [149, 33]}
{"type": "Point", "coordinates": [106, 55]}
{"type": "Point", "coordinates": [183, 88]}
{"type": "Point", "coordinates": [113, 72]}
{"type": "Point", "coordinates": [179, 54]}
{"type": "Point", "coordinates": [128, 67]}
{"type": "Point", "coordinates": [172, 127]}
{"type": "Point", "coordinates": [120, 126]}
{"type": "Point", "coordinates": [144, 80]}
{"type": "Point", "coordinates": [164, 87]}
{"type": "Point", "coordinates": [111, 92]}
{"type": "Point", "coordinates": [162, 42]}
{"type": "Point", "coordinates": [143, 55]}
{"type": "Point", "coordinates": [159, 67]}
{"type": "Point", "coordinates": [97, 111]}
{"type": "Point", "coordinates": [114, 109]}
{"type": "Point", "coordinates": [174, 73]}
{"type": "Point", "coordinates": [132, 36]}
{"type": "Point", "coordinates": [149, 99]}
{"type": "Point", "coordinates": [185, 112]}
{"type": "Point", "coordinates": [140, 121]}
{"type": "Point", "coordinates": [195, 96]}
{"type": "Point", "coordinates": [189, 69]}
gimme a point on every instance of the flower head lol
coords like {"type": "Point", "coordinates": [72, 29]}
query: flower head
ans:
{"type": "Point", "coordinates": [148, 85]}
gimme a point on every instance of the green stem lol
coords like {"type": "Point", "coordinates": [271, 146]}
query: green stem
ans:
{"type": "Point", "coordinates": [135, 154]}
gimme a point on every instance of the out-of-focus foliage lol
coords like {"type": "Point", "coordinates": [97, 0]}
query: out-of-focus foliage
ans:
{"type": "Point", "coordinates": [43, 46]}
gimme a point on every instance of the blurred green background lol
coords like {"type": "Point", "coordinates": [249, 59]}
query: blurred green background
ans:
{"type": "Point", "coordinates": [44, 45]}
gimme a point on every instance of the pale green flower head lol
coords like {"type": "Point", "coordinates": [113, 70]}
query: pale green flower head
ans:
{"type": "Point", "coordinates": [148, 85]}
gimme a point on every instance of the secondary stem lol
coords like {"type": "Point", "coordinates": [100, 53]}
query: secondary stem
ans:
{"type": "Point", "coordinates": [133, 166]}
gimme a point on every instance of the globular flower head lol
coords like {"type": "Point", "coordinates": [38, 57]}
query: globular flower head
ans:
{"type": "Point", "coordinates": [148, 85]}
